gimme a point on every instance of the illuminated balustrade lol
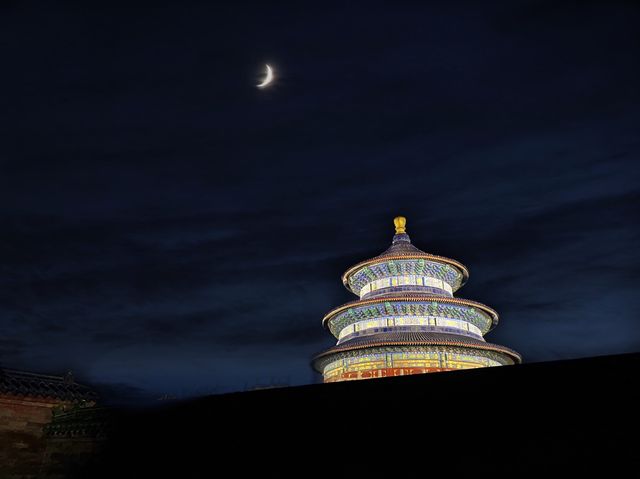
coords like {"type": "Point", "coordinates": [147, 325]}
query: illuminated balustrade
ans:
{"type": "Point", "coordinates": [430, 323]}
{"type": "Point", "coordinates": [434, 285]}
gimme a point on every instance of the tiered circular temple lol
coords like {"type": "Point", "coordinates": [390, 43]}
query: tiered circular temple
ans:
{"type": "Point", "coordinates": [407, 320]}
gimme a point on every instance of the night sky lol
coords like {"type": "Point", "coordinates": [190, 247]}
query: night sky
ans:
{"type": "Point", "coordinates": [166, 228]}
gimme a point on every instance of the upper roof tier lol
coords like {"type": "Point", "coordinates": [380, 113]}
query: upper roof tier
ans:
{"type": "Point", "coordinates": [402, 259]}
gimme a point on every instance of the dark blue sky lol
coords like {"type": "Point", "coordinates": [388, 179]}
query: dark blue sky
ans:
{"type": "Point", "coordinates": [167, 228]}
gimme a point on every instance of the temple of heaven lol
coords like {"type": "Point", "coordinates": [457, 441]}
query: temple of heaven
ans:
{"type": "Point", "coordinates": [407, 320]}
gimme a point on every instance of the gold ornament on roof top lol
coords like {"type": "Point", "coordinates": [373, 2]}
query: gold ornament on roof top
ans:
{"type": "Point", "coordinates": [400, 222]}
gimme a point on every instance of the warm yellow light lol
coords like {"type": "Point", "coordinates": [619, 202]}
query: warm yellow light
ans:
{"type": "Point", "coordinates": [400, 222]}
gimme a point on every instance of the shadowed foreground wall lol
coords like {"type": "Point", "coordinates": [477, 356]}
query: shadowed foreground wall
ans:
{"type": "Point", "coordinates": [576, 416]}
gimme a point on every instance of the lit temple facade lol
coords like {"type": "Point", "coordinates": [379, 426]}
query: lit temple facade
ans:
{"type": "Point", "coordinates": [406, 320]}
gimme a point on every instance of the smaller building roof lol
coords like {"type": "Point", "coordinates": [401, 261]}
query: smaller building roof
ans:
{"type": "Point", "coordinates": [34, 385]}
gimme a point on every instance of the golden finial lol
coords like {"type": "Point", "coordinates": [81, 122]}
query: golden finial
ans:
{"type": "Point", "coordinates": [400, 222]}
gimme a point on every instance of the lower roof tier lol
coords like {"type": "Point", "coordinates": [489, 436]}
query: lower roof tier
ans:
{"type": "Point", "coordinates": [424, 341]}
{"type": "Point", "coordinates": [478, 314]}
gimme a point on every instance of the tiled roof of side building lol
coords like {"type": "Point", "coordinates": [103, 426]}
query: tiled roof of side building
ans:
{"type": "Point", "coordinates": [34, 385]}
{"type": "Point", "coordinates": [418, 338]}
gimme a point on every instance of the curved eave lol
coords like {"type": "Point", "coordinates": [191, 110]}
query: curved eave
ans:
{"type": "Point", "coordinates": [429, 257]}
{"type": "Point", "coordinates": [440, 299]}
{"type": "Point", "coordinates": [487, 346]}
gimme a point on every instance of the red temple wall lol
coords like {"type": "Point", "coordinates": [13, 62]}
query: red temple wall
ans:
{"type": "Point", "coordinates": [385, 372]}
{"type": "Point", "coordinates": [22, 442]}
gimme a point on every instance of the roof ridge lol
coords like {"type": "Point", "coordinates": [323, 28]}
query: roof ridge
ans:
{"type": "Point", "coordinates": [18, 372]}
{"type": "Point", "coordinates": [30, 384]}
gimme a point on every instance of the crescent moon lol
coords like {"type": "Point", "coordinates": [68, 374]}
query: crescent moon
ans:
{"type": "Point", "coordinates": [267, 79]}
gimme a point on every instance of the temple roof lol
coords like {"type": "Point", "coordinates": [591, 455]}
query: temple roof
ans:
{"type": "Point", "coordinates": [415, 297]}
{"type": "Point", "coordinates": [401, 248]}
{"type": "Point", "coordinates": [417, 338]}
{"type": "Point", "coordinates": [27, 384]}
